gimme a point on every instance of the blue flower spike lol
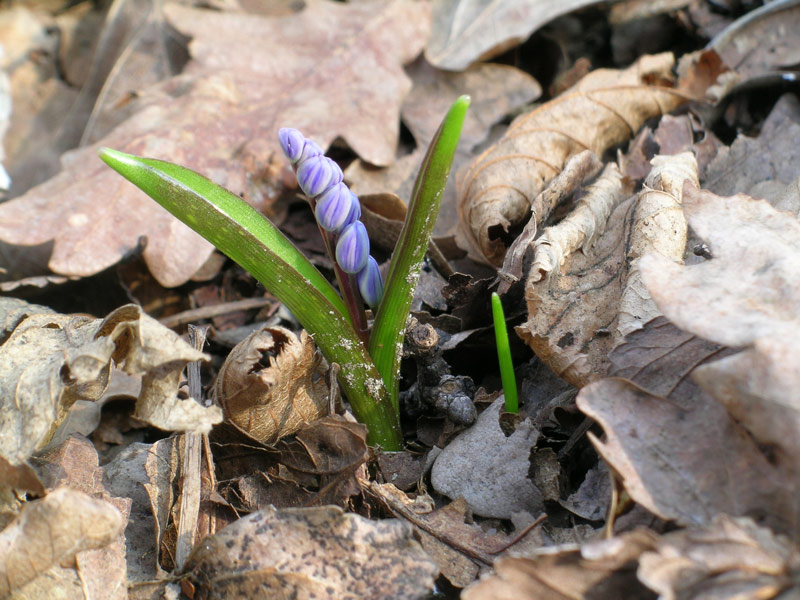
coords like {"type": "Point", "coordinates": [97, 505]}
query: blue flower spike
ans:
{"type": "Point", "coordinates": [352, 249]}
{"type": "Point", "coordinates": [370, 283]}
{"type": "Point", "coordinates": [335, 207]}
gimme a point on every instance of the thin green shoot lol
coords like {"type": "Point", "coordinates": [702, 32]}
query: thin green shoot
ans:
{"type": "Point", "coordinates": [504, 355]}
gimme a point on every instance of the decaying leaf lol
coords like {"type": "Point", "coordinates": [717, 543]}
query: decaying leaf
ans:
{"type": "Point", "coordinates": [51, 360]}
{"type": "Point", "coordinates": [488, 469]}
{"type": "Point", "coordinates": [272, 383]}
{"type": "Point", "coordinates": [658, 226]}
{"type": "Point", "coordinates": [309, 553]}
{"type": "Point", "coordinates": [729, 558]}
{"type": "Point", "coordinates": [101, 572]}
{"type": "Point", "coordinates": [53, 531]}
{"type": "Point", "coordinates": [746, 296]}
{"type": "Point", "coordinates": [662, 448]}
{"type": "Point", "coordinates": [465, 31]}
{"type": "Point", "coordinates": [598, 569]}
{"type": "Point", "coordinates": [605, 108]}
{"type": "Point", "coordinates": [220, 117]}
{"type": "Point", "coordinates": [582, 227]}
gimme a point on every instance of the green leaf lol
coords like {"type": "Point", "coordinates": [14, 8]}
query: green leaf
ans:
{"type": "Point", "coordinates": [504, 355]}
{"type": "Point", "coordinates": [246, 236]}
{"type": "Point", "coordinates": [386, 341]}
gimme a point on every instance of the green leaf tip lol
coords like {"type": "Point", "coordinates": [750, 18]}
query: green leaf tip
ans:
{"type": "Point", "coordinates": [504, 355]}
{"type": "Point", "coordinates": [386, 341]}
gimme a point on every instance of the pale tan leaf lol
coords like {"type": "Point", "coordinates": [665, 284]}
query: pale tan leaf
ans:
{"type": "Point", "coordinates": [50, 532]}
{"type": "Point", "coordinates": [658, 226]}
{"type": "Point", "coordinates": [220, 117]}
{"type": "Point", "coordinates": [465, 31]}
{"type": "Point", "coordinates": [580, 229]}
{"type": "Point", "coordinates": [271, 402]}
{"type": "Point", "coordinates": [50, 361]}
{"type": "Point", "coordinates": [747, 296]}
{"type": "Point", "coordinates": [320, 553]}
{"type": "Point", "coordinates": [598, 569]}
{"type": "Point", "coordinates": [729, 558]}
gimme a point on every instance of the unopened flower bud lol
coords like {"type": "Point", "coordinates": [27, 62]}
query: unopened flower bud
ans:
{"type": "Point", "coordinates": [355, 210]}
{"type": "Point", "coordinates": [334, 207]}
{"type": "Point", "coordinates": [310, 149]}
{"type": "Point", "coordinates": [352, 249]}
{"type": "Point", "coordinates": [370, 283]}
{"type": "Point", "coordinates": [316, 174]}
{"type": "Point", "coordinates": [292, 143]}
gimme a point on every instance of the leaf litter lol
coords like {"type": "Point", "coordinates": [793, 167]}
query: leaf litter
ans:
{"type": "Point", "coordinates": [655, 453]}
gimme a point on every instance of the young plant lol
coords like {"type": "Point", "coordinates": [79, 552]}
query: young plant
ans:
{"type": "Point", "coordinates": [369, 363]}
{"type": "Point", "coordinates": [504, 355]}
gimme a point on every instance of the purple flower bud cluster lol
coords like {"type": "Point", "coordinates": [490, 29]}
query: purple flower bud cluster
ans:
{"type": "Point", "coordinates": [337, 210]}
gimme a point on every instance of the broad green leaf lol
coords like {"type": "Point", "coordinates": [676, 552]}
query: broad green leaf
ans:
{"type": "Point", "coordinates": [386, 341]}
{"type": "Point", "coordinates": [250, 239]}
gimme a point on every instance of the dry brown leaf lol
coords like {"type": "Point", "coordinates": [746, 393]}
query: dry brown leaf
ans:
{"type": "Point", "coordinates": [320, 553]}
{"type": "Point", "coordinates": [580, 229]}
{"type": "Point", "coordinates": [605, 108]}
{"type": "Point", "coordinates": [570, 314]}
{"type": "Point", "coordinates": [315, 70]}
{"type": "Point", "coordinates": [50, 360]}
{"type": "Point", "coordinates": [662, 448]}
{"type": "Point", "coordinates": [758, 42]}
{"type": "Point", "coordinates": [272, 383]}
{"type": "Point", "coordinates": [465, 31]}
{"type": "Point", "coordinates": [729, 558]}
{"type": "Point", "coordinates": [746, 296]}
{"type": "Point", "coordinates": [599, 569]}
{"type": "Point", "coordinates": [495, 91]}
{"type": "Point", "coordinates": [658, 226]}
{"type": "Point", "coordinates": [51, 532]}
{"type": "Point", "coordinates": [489, 469]}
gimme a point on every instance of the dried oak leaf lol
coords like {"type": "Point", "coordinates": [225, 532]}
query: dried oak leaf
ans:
{"type": "Point", "coordinates": [728, 558]}
{"type": "Point", "coordinates": [597, 570]}
{"type": "Point", "coordinates": [50, 532]}
{"type": "Point", "coordinates": [605, 108]}
{"type": "Point", "coordinates": [272, 383]}
{"type": "Point", "coordinates": [220, 118]}
{"type": "Point", "coordinates": [465, 31]}
{"type": "Point", "coordinates": [51, 360]}
{"type": "Point", "coordinates": [748, 297]}
{"type": "Point", "coordinates": [307, 553]}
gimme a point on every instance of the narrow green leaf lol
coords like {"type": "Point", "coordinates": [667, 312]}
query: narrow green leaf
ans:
{"type": "Point", "coordinates": [246, 236]}
{"type": "Point", "coordinates": [386, 341]}
{"type": "Point", "coordinates": [504, 355]}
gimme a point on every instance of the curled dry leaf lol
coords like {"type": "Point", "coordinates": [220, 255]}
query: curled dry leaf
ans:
{"type": "Point", "coordinates": [320, 553]}
{"type": "Point", "coordinates": [273, 400]}
{"type": "Point", "coordinates": [605, 108]}
{"type": "Point", "coordinates": [51, 360]}
{"type": "Point", "coordinates": [746, 296]}
{"type": "Point", "coordinates": [658, 226]}
{"type": "Point", "coordinates": [51, 532]}
{"type": "Point", "coordinates": [729, 558]}
{"type": "Point", "coordinates": [599, 569]}
{"type": "Point", "coordinates": [580, 229]}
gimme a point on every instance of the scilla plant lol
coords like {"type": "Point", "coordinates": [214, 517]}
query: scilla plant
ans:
{"type": "Point", "coordinates": [369, 361]}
